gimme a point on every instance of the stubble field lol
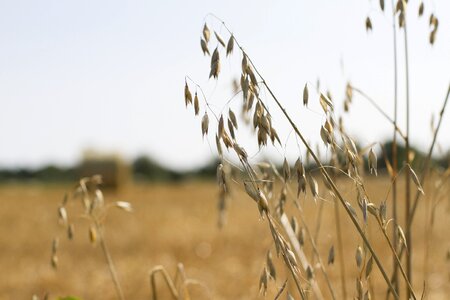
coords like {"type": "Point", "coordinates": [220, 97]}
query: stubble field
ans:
{"type": "Point", "coordinates": [177, 223]}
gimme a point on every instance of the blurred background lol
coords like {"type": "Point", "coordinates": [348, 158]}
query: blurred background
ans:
{"type": "Point", "coordinates": [96, 87]}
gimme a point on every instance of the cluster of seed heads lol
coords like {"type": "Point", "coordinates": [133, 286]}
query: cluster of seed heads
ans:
{"type": "Point", "coordinates": [258, 179]}
{"type": "Point", "coordinates": [400, 12]}
{"type": "Point", "coordinates": [90, 196]}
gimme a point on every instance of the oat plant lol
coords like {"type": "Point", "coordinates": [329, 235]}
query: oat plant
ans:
{"type": "Point", "coordinates": [272, 188]}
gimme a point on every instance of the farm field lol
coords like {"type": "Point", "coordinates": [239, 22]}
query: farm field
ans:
{"type": "Point", "coordinates": [174, 223]}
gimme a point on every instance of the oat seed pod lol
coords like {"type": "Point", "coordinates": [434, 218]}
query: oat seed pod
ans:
{"type": "Point", "coordinates": [331, 256]}
{"type": "Point", "coordinates": [206, 33]}
{"type": "Point", "coordinates": [196, 104]}
{"type": "Point", "coordinates": [358, 256]}
{"type": "Point", "coordinates": [230, 45]}
{"type": "Point", "coordinates": [233, 119]}
{"type": "Point", "coordinates": [187, 94]}
{"type": "Point", "coordinates": [372, 162]}
{"type": "Point", "coordinates": [205, 124]}
{"type": "Point", "coordinates": [204, 47]}
{"type": "Point", "coordinates": [368, 24]}
{"type": "Point", "coordinates": [219, 39]}
{"type": "Point", "coordinates": [421, 8]}
{"type": "Point", "coordinates": [305, 95]}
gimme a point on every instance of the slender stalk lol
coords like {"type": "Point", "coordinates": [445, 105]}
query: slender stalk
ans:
{"type": "Point", "coordinates": [407, 174]}
{"type": "Point", "coordinates": [398, 262]}
{"type": "Point", "coordinates": [341, 249]}
{"type": "Point", "coordinates": [394, 150]}
{"type": "Point", "coordinates": [426, 165]}
{"type": "Point", "coordinates": [112, 269]}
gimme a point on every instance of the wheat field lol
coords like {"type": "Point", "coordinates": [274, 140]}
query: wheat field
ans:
{"type": "Point", "coordinates": [177, 223]}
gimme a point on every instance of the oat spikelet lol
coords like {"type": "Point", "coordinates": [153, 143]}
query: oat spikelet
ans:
{"type": "Point", "coordinates": [368, 24]}
{"type": "Point", "coordinates": [421, 8]}
{"type": "Point", "coordinates": [305, 95]}
{"type": "Point", "coordinates": [196, 104]}
{"type": "Point", "coordinates": [206, 33]}
{"type": "Point", "coordinates": [205, 124]}
{"type": "Point", "coordinates": [359, 256]}
{"type": "Point", "coordinates": [233, 119]}
{"type": "Point", "coordinates": [369, 266]}
{"type": "Point", "coordinates": [219, 39]}
{"type": "Point", "coordinates": [331, 256]}
{"type": "Point", "coordinates": [325, 103]}
{"type": "Point", "coordinates": [187, 94]}
{"type": "Point", "coordinates": [92, 234]}
{"type": "Point", "coordinates": [230, 45]}
{"type": "Point", "coordinates": [204, 47]}
{"type": "Point", "coordinates": [372, 162]}
{"type": "Point", "coordinates": [286, 170]}
{"type": "Point", "coordinates": [382, 5]}
{"type": "Point", "coordinates": [215, 64]}
{"type": "Point", "coordinates": [415, 180]}
{"type": "Point", "coordinates": [314, 187]}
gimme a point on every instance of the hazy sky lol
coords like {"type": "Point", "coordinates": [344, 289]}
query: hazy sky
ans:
{"type": "Point", "coordinates": [110, 74]}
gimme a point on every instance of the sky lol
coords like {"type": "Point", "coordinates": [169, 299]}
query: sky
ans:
{"type": "Point", "coordinates": [109, 75]}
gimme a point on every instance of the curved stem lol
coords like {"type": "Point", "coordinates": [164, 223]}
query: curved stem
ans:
{"type": "Point", "coordinates": [112, 269]}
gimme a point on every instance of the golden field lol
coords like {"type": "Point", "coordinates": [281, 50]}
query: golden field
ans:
{"type": "Point", "coordinates": [174, 223]}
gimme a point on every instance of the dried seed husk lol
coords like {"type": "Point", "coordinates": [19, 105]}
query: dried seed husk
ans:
{"type": "Point", "coordinates": [263, 279]}
{"type": "Point", "coordinates": [92, 234]}
{"type": "Point", "coordinates": [325, 103]}
{"type": "Point", "coordinates": [416, 180]}
{"type": "Point", "coordinates": [219, 39]}
{"type": "Point", "coordinates": [274, 136]}
{"type": "Point", "coordinates": [372, 162]}
{"type": "Point", "coordinates": [70, 231]}
{"type": "Point", "coordinates": [231, 129]}
{"type": "Point", "coordinates": [233, 119]}
{"type": "Point", "coordinates": [314, 187]}
{"type": "Point", "coordinates": [126, 206]}
{"type": "Point", "coordinates": [206, 33]}
{"type": "Point", "coordinates": [325, 135]}
{"type": "Point", "coordinates": [187, 94]}
{"type": "Point", "coordinates": [221, 127]}
{"type": "Point", "coordinates": [215, 64]}
{"type": "Point", "coordinates": [301, 237]}
{"type": "Point", "coordinates": [299, 168]}
{"type": "Point", "coordinates": [291, 257]}
{"type": "Point", "coordinates": [421, 8]}
{"type": "Point", "coordinates": [240, 151]}
{"type": "Point", "coordinates": [382, 5]}
{"type": "Point", "coordinates": [369, 266]}
{"type": "Point", "coordinates": [196, 104]}
{"type": "Point", "coordinates": [402, 237]}
{"type": "Point", "coordinates": [301, 185]}
{"type": "Point", "coordinates": [204, 47]}
{"type": "Point", "coordinates": [368, 24]}
{"type": "Point", "coordinates": [359, 256]}
{"type": "Point", "coordinates": [270, 265]}
{"type": "Point", "coordinates": [401, 19]}
{"type": "Point", "coordinates": [205, 124]}
{"type": "Point", "coordinates": [305, 95]}
{"type": "Point", "coordinates": [230, 45]}
{"type": "Point", "coordinates": [432, 37]}
{"type": "Point", "coordinates": [251, 191]}
{"type": "Point", "coordinates": [62, 214]}
{"type": "Point", "coordinates": [309, 273]}
{"type": "Point", "coordinates": [54, 261]}
{"type": "Point", "coordinates": [286, 170]}
{"type": "Point", "coordinates": [244, 63]}
{"type": "Point", "coordinates": [218, 145]}
{"type": "Point", "coordinates": [331, 255]}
